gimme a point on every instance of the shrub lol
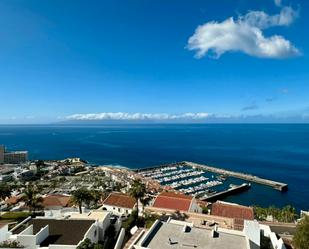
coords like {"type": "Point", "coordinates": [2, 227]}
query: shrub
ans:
{"type": "Point", "coordinates": [15, 216]}
{"type": "Point", "coordinates": [301, 237]}
{"type": "Point", "coordinates": [10, 244]}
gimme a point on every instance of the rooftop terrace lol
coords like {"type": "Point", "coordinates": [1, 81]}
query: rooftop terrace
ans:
{"type": "Point", "coordinates": [62, 232]}
{"type": "Point", "coordinates": [171, 235]}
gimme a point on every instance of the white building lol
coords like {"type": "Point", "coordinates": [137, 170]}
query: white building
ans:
{"type": "Point", "coordinates": [119, 204]}
{"type": "Point", "coordinates": [51, 233]}
{"type": "Point", "coordinates": [181, 234]}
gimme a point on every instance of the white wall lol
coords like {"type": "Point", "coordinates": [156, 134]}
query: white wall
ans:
{"type": "Point", "coordinates": [118, 210]}
{"type": "Point", "coordinates": [42, 235]}
{"type": "Point", "coordinates": [120, 239]}
{"type": "Point", "coordinates": [62, 247]}
{"type": "Point", "coordinates": [4, 233]}
{"type": "Point", "coordinates": [93, 233]}
{"type": "Point", "coordinates": [27, 231]}
{"type": "Point", "coordinates": [118, 225]}
{"type": "Point", "coordinates": [28, 241]}
{"type": "Point", "coordinates": [103, 226]}
{"type": "Point", "coordinates": [26, 238]}
{"type": "Point", "coordinates": [252, 231]}
{"type": "Point", "coordinates": [145, 237]}
{"type": "Point", "coordinates": [276, 243]}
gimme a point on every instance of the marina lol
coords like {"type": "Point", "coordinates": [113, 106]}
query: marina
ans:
{"type": "Point", "coordinates": [205, 182]}
{"type": "Point", "coordinates": [276, 185]}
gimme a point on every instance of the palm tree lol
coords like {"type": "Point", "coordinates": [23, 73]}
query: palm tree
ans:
{"type": "Point", "coordinates": [96, 196]}
{"type": "Point", "coordinates": [288, 214]}
{"type": "Point", "coordinates": [145, 201]}
{"type": "Point", "coordinates": [273, 212]}
{"type": "Point", "coordinates": [137, 191]}
{"type": "Point", "coordinates": [32, 198]}
{"type": "Point", "coordinates": [80, 196]}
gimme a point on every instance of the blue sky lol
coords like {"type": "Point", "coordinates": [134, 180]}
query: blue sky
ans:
{"type": "Point", "coordinates": [137, 60]}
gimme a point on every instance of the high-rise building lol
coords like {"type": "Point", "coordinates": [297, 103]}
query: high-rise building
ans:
{"type": "Point", "coordinates": [1, 154]}
{"type": "Point", "coordinates": [16, 157]}
{"type": "Point", "coordinates": [12, 157]}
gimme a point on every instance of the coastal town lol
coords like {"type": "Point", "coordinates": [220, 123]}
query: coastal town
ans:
{"type": "Point", "coordinates": [158, 124]}
{"type": "Point", "coordinates": [70, 203]}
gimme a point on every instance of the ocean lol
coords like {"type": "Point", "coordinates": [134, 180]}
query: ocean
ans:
{"type": "Point", "coordinates": [276, 151]}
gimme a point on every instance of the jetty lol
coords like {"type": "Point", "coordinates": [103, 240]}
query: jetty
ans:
{"type": "Point", "coordinates": [276, 185]}
{"type": "Point", "coordinates": [248, 177]}
{"type": "Point", "coordinates": [231, 191]}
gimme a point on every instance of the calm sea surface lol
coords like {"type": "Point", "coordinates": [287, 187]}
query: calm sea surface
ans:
{"type": "Point", "coordinates": [278, 152]}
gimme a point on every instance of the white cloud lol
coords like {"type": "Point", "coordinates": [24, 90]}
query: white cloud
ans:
{"type": "Point", "coordinates": [137, 116]}
{"type": "Point", "coordinates": [245, 35]}
{"type": "Point", "coordinates": [262, 20]}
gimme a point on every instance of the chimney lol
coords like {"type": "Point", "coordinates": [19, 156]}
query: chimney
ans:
{"type": "Point", "coordinates": [214, 232]}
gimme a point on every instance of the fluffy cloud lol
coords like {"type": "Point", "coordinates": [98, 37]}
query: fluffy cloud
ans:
{"type": "Point", "coordinates": [245, 34]}
{"type": "Point", "coordinates": [262, 20]}
{"type": "Point", "coordinates": [138, 116]}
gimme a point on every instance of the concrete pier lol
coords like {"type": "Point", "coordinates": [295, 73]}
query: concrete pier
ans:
{"type": "Point", "coordinates": [231, 191]}
{"type": "Point", "coordinates": [276, 185]}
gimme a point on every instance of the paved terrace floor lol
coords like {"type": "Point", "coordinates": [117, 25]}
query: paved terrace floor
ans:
{"type": "Point", "coordinates": [193, 238]}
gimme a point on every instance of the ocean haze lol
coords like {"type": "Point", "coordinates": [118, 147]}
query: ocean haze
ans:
{"type": "Point", "coordinates": [275, 151]}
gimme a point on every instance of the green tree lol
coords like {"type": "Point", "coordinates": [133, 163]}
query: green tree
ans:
{"type": "Point", "coordinates": [145, 201]}
{"type": "Point", "coordinates": [301, 237]}
{"type": "Point", "coordinates": [130, 222]}
{"type": "Point", "coordinates": [39, 163]}
{"type": "Point", "coordinates": [96, 197]}
{"type": "Point", "coordinates": [5, 191]}
{"type": "Point", "coordinates": [87, 244]}
{"type": "Point", "coordinates": [288, 214]}
{"type": "Point", "coordinates": [81, 196]}
{"type": "Point", "coordinates": [260, 213]}
{"type": "Point", "coordinates": [205, 210]}
{"type": "Point", "coordinates": [32, 198]}
{"type": "Point", "coordinates": [137, 191]}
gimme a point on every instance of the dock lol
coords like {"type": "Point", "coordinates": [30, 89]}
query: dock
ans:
{"type": "Point", "coordinates": [276, 185]}
{"type": "Point", "coordinates": [282, 187]}
{"type": "Point", "coordinates": [231, 191]}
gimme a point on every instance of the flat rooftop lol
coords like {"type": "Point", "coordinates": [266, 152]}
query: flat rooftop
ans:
{"type": "Point", "coordinates": [15, 152]}
{"type": "Point", "coordinates": [169, 235]}
{"type": "Point", "coordinates": [94, 215]}
{"type": "Point", "coordinates": [62, 232]}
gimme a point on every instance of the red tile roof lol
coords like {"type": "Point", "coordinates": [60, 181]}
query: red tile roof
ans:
{"type": "Point", "coordinates": [56, 201]}
{"type": "Point", "coordinates": [170, 200]}
{"type": "Point", "coordinates": [12, 200]}
{"type": "Point", "coordinates": [232, 211]}
{"type": "Point", "coordinates": [119, 200]}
